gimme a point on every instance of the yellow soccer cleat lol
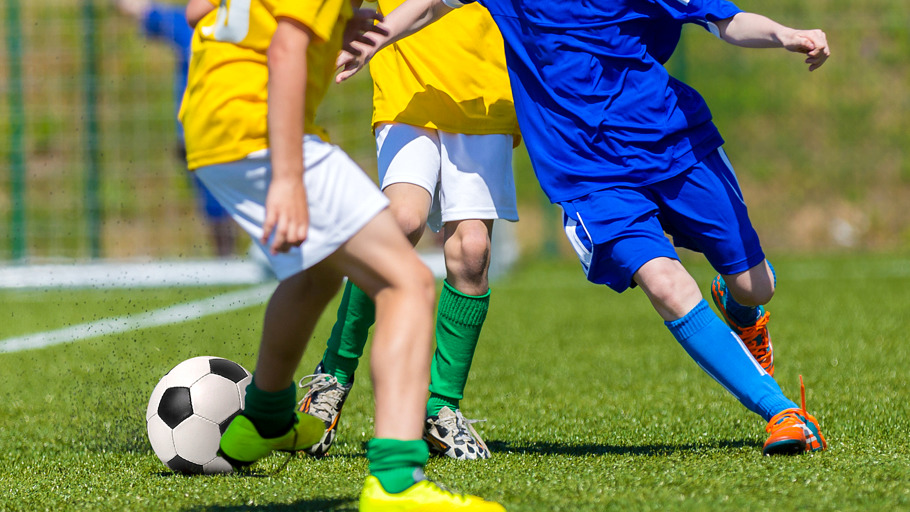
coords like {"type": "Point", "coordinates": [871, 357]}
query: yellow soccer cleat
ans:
{"type": "Point", "coordinates": [424, 496]}
{"type": "Point", "coordinates": [241, 444]}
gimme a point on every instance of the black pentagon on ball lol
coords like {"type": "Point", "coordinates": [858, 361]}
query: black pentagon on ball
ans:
{"type": "Point", "coordinates": [175, 406]}
{"type": "Point", "coordinates": [227, 369]}
{"type": "Point", "coordinates": [181, 465]}
{"type": "Point", "coordinates": [224, 424]}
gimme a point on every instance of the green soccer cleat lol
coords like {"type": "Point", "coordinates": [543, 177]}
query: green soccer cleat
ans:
{"type": "Point", "coordinates": [756, 336]}
{"type": "Point", "coordinates": [241, 444]}
{"type": "Point", "coordinates": [424, 496]}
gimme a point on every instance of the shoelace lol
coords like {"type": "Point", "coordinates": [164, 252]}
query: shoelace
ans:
{"type": "Point", "coordinates": [756, 337]}
{"type": "Point", "coordinates": [758, 344]}
{"type": "Point", "coordinates": [328, 394]}
{"type": "Point", "coordinates": [455, 425]}
{"type": "Point", "coordinates": [461, 426]}
{"type": "Point", "coordinates": [791, 417]}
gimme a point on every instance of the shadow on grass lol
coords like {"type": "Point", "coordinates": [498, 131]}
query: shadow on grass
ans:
{"type": "Point", "coordinates": [303, 505]}
{"type": "Point", "coordinates": [652, 450]}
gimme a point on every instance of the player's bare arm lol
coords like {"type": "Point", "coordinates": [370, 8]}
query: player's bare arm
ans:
{"type": "Point", "coordinates": [196, 10]}
{"type": "Point", "coordinates": [409, 17]}
{"type": "Point", "coordinates": [286, 211]}
{"type": "Point", "coordinates": [756, 31]}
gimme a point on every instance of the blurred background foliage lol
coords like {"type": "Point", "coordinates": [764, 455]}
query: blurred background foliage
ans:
{"type": "Point", "coordinates": [821, 156]}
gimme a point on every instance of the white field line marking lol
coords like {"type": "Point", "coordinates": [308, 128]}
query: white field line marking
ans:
{"type": "Point", "coordinates": [170, 315]}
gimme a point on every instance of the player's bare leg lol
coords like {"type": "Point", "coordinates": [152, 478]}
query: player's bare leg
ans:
{"type": "Point", "coordinates": [467, 254]}
{"type": "Point", "coordinates": [463, 305]}
{"type": "Point", "coordinates": [739, 299]}
{"type": "Point", "coordinates": [381, 262]}
{"type": "Point", "coordinates": [672, 291]}
{"type": "Point", "coordinates": [334, 375]}
{"type": "Point", "coordinates": [290, 318]}
{"type": "Point", "coordinates": [754, 287]}
{"type": "Point", "coordinates": [718, 351]}
{"type": "Point", "coordinates": [409, 205]}
{"type": "Point", "coordinates": [268, 421]}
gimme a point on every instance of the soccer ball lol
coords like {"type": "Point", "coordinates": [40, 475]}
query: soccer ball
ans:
{"type": "Point", "coordinates": [190, 409]}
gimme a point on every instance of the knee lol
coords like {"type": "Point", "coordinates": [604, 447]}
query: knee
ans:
{"type": "Point", "coordinates": [468, 255]}
{"type": "Point", "coordinates": [671, 290]}
{"type": "Point", "coordinates": [412, 223]}
{"type": "Point", "coordinates": [753, 294]}
{"type": "Point", "coordinates": [424, 284]}
{"type": "Point", "coordinates": [751, 288]}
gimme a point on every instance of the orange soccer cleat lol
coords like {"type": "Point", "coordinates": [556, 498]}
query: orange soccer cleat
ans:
{"type": "Point", "coordinates": [794, 431]}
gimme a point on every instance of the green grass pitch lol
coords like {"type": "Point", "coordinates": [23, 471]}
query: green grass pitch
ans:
{"type": "Point", "coordinates": [590, 403]}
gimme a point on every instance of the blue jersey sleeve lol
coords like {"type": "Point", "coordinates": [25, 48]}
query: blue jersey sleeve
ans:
{"type": "Point", "coordinates": [168, 22]}
{"type": "Point", "coordinates": [701, 12]}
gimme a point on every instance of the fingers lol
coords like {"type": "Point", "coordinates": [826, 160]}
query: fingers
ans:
{"type": "Point", "coordinates": [344, 57]}
{"type": "Point", "coordinates": [814, 44]}
{"type": "Point", "coordinates": [349, 65]}
{"type": "Point", "coordinates": [287, 233]}
{"type": "Point", "coordinates": [267, 227]}
{"type": "Point", "coordinates": [367, 15]}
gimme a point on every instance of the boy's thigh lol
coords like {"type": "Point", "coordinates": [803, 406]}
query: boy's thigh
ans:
{"type": "Point", "coordinates": [703, 210]}
{"type": "Point", "coordinates": [614, 232]}
{"type": "Point", "coordinates": [341, 199]}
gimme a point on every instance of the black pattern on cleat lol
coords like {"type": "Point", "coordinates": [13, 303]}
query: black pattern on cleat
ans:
{"type": "Point", "coordinates": [451, 435]}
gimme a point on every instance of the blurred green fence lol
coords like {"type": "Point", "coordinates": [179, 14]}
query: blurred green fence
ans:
{"type": "Point", "coordinates": [88, 139]}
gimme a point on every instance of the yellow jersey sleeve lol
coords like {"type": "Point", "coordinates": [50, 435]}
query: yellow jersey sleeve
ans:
{"type": "Point", "coordinates": [225, 106]}
{"type": "Point", "coordinates": [321, 16]}
{"type": "Point", "coordinates": [450, 76]}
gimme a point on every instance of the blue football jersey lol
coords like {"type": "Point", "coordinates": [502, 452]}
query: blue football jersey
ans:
{"type": "Point", "coordinates": [596, 106]}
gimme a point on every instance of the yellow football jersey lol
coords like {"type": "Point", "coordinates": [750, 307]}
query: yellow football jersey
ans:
{"type": "Point", "coordinates": [224, 111]}
{"type": "Point", "coordinates": [450, 76]}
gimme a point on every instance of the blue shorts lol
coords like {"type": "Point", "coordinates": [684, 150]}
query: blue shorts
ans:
{"type": "Point", "coordinates": [617, 230]}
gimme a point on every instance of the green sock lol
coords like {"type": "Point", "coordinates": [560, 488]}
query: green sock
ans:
{"type": "Point", "coordinates": [397, 464]}
{"type": "Point", "coordinates": [272, 413]}
{"type": "Point", "coordinates": [356, 314]}
{"type": "Point", "coordinates": [458, 323]}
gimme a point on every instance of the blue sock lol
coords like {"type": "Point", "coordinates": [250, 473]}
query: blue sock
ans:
{"type": "Point", "coordinates": [720, 353]}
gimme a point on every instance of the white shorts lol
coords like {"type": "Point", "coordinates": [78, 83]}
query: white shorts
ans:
{"type": "Point", "coordinates": [340, 196]}
{"type": "Point", "coordinates": [469, 176]}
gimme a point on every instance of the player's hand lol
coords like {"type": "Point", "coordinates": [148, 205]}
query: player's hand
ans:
{"type": "Point", "coordinates": [359, 47]}
{"type": "Point", "coordinates": [813, 43]}
{"type": "Point", "coordinates": [286, 214]}
{"type": "Point", "coordinates": [362, 22]}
